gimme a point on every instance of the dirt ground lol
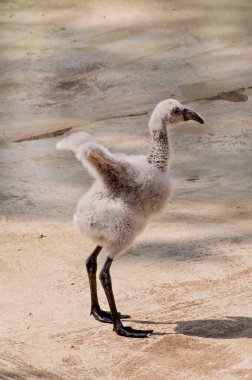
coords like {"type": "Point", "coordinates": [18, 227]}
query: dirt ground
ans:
{"type": "Point", "coordinates": [102, 67]}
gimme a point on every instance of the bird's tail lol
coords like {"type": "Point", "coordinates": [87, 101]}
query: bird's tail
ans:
{"type": "Point", "coordinates": [74, 141]}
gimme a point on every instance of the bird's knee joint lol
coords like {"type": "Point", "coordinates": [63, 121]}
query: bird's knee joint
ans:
{"type": "Point", "coordinates": [91, 265]}
{"type": "Point", "coordinates": [105, 279]}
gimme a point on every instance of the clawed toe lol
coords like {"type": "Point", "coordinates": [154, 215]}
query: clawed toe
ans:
{"type": "Point", "coordinates": [123, 316]}
{"type": "Point", "coordinates": [105, 317]}
{"type": "Point", "coordinates": [132, 333]}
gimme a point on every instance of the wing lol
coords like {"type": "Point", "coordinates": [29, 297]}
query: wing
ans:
{"type": "Point", "coordinates": [107, 166]}
{"type": "Point", "coordinates": [74, 141]}
{"type": "Point", "coordinates": [100, 162]}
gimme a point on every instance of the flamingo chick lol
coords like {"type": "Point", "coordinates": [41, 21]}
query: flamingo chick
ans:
{"type": "Point", "coordinates": [127, 192]}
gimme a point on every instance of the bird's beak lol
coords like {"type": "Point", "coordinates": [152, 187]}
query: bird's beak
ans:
{"type": "Point", "coordinates": [191, 115]}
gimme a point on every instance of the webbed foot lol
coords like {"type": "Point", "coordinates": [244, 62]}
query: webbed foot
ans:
{"type": "Point", "coordinates": [132, 333]}
{"type": "Point", "coordinates": [105, 316]}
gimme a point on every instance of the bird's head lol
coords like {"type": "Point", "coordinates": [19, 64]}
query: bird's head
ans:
{"type": "Point", "coordinates": [169, 112]}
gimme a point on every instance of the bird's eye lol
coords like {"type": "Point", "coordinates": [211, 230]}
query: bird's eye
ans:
{"type": "Point", "coordinates": [176, 110]}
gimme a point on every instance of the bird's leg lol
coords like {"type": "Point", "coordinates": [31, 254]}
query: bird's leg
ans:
{"type": "Point", "coordinates": [117, 324]}
{"type": "Point", "coordinates": [91, 265]}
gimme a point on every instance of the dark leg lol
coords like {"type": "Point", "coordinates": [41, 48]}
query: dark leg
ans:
{"type": "Point", "coordinates": [91, 265]}
{"type": "Point", "coordinates": [118, 326]}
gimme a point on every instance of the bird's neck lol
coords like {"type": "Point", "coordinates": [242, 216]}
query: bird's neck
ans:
{"type": "Point", "coordinates": [159, 151]}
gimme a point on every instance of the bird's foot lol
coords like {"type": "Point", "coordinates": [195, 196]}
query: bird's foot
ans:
{"type": "Point", "coordinates": [132, 333]}
{"type": "Point", "coordinates": [105, 316]}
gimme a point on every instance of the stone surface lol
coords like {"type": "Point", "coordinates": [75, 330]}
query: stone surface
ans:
{"type": "Point", "coordinates": [70, 65]}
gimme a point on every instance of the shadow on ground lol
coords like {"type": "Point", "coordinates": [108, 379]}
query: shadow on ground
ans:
{"type": "Point", "coordinates": [34, 374]}
{"type": "Point", "coordinates": [188, 250]}
{"type": "Point", "coordinates": [230, 328]}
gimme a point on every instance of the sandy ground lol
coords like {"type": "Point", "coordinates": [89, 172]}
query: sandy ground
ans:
{"type": "Point", "coordinates": [102, 67]}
